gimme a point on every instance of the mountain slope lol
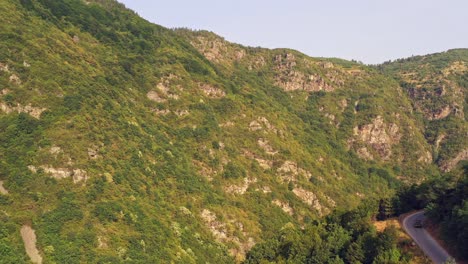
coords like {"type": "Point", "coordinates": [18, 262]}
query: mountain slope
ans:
{"type": "Point", "coordinates": [437, 86]}
{"type": "Point", "coordinates": [123, 140]}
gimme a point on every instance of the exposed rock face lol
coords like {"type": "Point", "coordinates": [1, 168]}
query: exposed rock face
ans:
{"type": "Point", "coordinates": [4, 67]}
{"type": "Point", "coordinates": [450, 164]}
{"type": "Point", "coordinates": [291, 80]}
{"type": "Point", "coordinates": [102, 242]}
{"type": "Point", "coordinates": [222, 235]}
{"type": "Point", "coordinates": [265, 145]}
{"type": "Point", "coordinates": [289, 171]}
{"type": "Point", "coordinates": [2, 189]}
{"type": "Point", "coordinates": [330, 201]}
{"type": "Point", "coordinates": [457, 67]}
{"type": "Point", "coordinates": [204, 170]}
{"type": "Point", "coordinates": [284, 206]}
{"type": "Point", "coordinates": [241, 188]}
{"type": "Point", "coordinates": [217, 50]}
{"type": "Point", "coordinates": [343, 104]}
{"type": "Point", "coordinates": [29, 239]}
{"type": "Point", "coordinates": [227, 124]}
{"type": "Point", "coordinates": [255, 125]}
{"type": "Point", "coordinates": [181, 113]}
{"type": "Point", "coordinates": [14, 79]}
{"type": "Point", "coordinates": [309, 198]}
{"type": "Point", "coordinates": [378, 135]}
{"type": "Point", "coordinates": [439, 114]}
{"type": "Point", "coordinates": [93, 152]}
{"type": "Point", "coordinates": [154, 96]}
{"type": "Point", "coordinates": [78, 175]}
{"type": "Point", "coordinates": [264, 164]}
{"type": "Point", "coordinates": [211, 91]}
{"type": "Point", "coordinates": [429, 91]}
{"type": "Point", "coordinates": [213, 50]}
{"type": "Point", "coordinates": [76, 39]}
{"type": "Point", "coordinates": [425, 157]}
{"type": "Point", "coordinates": [161, 112]}
{"type": "Point", "coordinates": [439, 139]}
{"type": "Point", "coordinates": [364, 153]}
{"type": "Point", "coordinates": [167, 89]}
{"type": "Point", "coordinates": [264, 189]}
{"type": "Point", "coordinates": [258, 63]}
{"type": "Point", "coordinates": [28, 109]}
{"type": "Point", "coordinates": [262, 123]}
{"type": "Point", "coordinates": [54, 150]}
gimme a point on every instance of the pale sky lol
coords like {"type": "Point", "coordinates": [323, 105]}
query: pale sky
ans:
{"type": "Point", "coordinates": [371, 31]}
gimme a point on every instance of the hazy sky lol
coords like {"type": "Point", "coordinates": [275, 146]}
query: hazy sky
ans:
{"type": "Point", "coordinates": [371, 31]}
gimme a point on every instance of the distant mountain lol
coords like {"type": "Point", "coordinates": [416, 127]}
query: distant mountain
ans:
{"type": "Point", "coordinates": [123, 140]}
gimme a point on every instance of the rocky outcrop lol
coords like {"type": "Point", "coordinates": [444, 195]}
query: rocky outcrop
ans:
{"type": "Point", "coordinates": [55, 150]}
{"type": "Point", "coordinates": [15, 79]}
{"type": "Point", "coordinates": [439, 114]}
{"type": "Point", "coordinates": [204, 170]}
{"type": "Point", "coordinates": [262, 123]}
{"type": "Point", "coordinates": [217, 50]}
{"type": "Point", "coordinates": [211, 91]}
{"type": "Point", "coordinates": [28, 109]}
{"type": "Point", "coordinates": [4, 67]}
{"type": "Point", "coordinates": [379, 136]}
{"type": "Point", "coordinates": [264, 189]}
{"type": "Point", "coordinates": [309, 198]}
{"type": "Point", "coordinates": [264, 164]}
{"type": "Point", "coordinates": [161, 112]}
{"type": "Point", "coordinates": [221, 233]}
{"type": "Point", "coordinates": [289, 171]}
{"type": "Point", "coordinates": [439, 139]}
{"type": "Point", "coordinates": [78, 175]}
{"type": "Point", "coordinates": [93, 152]}
{"type": "Point", "coordinates": [165, 90]}
{"type": "Point", "coordinates": [436, 96]}
{"type": "Point", "coordinates": [257, 63]}
{"type": "Point", "coordinates": [448, 165]}
{"type": "Point", "coordinates": [425, 157]}
{"type": "Point", "coordinates": [240, 188]}
{"type": "Point", "coordinates": [227, 124]}
{"type": "Point", "coordinates": [154, 96]}
{"type": "Point", "coordinates": [364, 153]}
{"type": "Point", "coordinates": [102, 242]}
{"type": "Point", "coordinates": [290, 79]}
{"type": "Point", "coordinates": [284, 206]}
{"type": "Point", "coordinates": [457, 67]}
{"type": "Point", "coordinates": [265, 145]}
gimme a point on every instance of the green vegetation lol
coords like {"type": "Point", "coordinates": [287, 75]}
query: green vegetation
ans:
{"type": "Point", "coordinates": [123, 141]}
{"type": "Point", "coordinates": [437, 85]}
{"type": "Point", "coordinates": [343, 237]}
{"type": "Point", "coordinates": [445, 201]}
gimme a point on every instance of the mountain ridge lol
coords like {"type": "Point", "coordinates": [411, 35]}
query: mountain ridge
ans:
{"type": "Point", "coordinates": [117, 131]}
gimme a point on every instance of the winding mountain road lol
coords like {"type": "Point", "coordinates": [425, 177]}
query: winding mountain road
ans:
{"type": "Point", "coordinates": [424, 240]}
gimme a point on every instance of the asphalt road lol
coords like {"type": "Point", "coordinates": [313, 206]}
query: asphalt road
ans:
{"type": "Point", "coordinates": [430, 247]}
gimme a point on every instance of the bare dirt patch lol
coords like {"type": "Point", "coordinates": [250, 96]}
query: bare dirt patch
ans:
{"type": "Point", "coordinates": [29, 239]}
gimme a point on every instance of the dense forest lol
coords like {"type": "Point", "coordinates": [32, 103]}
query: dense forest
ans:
{"type": "Point", "coordinates": [124, 141]}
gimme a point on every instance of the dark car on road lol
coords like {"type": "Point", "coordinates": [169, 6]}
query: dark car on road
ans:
{"type": "Point", "coordinates": [418, 224]}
